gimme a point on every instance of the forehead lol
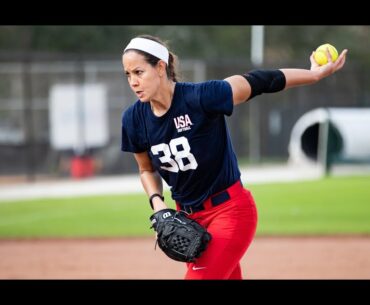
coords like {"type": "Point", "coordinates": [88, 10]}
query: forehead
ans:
{"type": "Point", "coordinates": [132, 58]}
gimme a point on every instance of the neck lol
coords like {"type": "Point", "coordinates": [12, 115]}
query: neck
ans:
{"type": "Point", "coordinates": [161, 103]}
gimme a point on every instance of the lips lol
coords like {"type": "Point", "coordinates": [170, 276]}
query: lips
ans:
{"type": "Point", "coordinates": [139, 93]}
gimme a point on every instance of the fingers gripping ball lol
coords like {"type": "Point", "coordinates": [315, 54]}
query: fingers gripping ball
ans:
{"type": "Point", "coordinates": [178, 236]}
{"type": "Point", "coordinates": [320, 54]}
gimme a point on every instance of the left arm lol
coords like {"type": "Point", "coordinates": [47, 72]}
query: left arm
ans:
{"type": "Point", "coordinates": [242, 89]}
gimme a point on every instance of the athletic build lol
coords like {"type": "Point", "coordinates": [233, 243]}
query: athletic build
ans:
{"type": "Point", "coordinates": [178, 131]}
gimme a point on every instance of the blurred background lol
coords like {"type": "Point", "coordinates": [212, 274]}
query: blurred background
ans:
{"type": "Point", "coordinates": [62, 94]}
{"type": "Point", "coordinates": [63, 90]}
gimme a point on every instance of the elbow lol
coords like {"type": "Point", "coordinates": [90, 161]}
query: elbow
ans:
{"type": "Point", "coordinates": [239, 99]}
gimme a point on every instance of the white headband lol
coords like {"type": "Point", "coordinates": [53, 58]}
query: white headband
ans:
{"type": "Point", "coordinates": [149, 46]}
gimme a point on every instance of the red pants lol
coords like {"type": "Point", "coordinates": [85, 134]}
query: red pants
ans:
{"type": "Point", "coordinates": [232, 225]}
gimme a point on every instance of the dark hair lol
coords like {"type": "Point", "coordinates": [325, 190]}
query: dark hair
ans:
{"type": "Point", "coordinates": [171, 68]}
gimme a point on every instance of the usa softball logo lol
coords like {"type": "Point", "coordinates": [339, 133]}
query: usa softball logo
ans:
{"type": "Point", "coordinates": [182, 123]}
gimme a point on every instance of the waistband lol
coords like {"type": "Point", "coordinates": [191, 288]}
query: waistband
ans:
{"type": "Point", "coordinates": [214, 200]}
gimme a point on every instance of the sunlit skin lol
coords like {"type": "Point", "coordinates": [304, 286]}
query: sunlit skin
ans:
{"type": "Point", "coordinates": [150, 84]}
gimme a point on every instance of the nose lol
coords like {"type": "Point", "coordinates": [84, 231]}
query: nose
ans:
{"type": "Point", "coordinates": [133, 81]}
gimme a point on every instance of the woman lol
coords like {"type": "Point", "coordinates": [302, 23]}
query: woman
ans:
{"type": "Point", "coordinates": [178, 131]}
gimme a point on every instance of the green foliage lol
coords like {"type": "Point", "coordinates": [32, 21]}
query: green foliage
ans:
{"type": "Point", "coordinates": [327, 206]}
{"type": "Point", "coordinates": [282, 43]}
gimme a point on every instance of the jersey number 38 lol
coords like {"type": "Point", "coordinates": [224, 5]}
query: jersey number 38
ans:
{"type": "Point", "coordinates": [175, 157]}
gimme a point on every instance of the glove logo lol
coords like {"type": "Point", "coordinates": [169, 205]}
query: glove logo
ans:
{"type": "Point", "coordinates": [165, 215]}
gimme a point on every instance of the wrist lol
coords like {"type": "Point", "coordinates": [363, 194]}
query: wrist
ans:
{"type": "Point", "coordinates": [158, 204]}
{"type": "Point", "coordinates": [156, 200]}
{"type": "Point", "coordinates": [317, 76]}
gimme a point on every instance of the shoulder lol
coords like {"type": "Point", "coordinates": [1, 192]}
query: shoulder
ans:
{"type": "Point", "coordinates": [186, 87]}
{"type": "Point", "coordinates": [133, 129]}
{"type": "Point", "coordinates": [217, 84]}
{"type": "Point", "coordinates": [133, 112]}
{"type": "Point", "coordinates": [214, 87]}
{"type": "Point", "coordinates": [200, 89]}
{"type": "Point", "coordinates": [205, 84]}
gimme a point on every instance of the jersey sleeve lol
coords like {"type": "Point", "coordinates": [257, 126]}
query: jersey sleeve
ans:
{"type": "Point", "coordinates": [216, 97]}
{"type": "Point", "coordinates": [133, 133]}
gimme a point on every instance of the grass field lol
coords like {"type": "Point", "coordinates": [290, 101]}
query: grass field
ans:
{"type": "Point", "coordinates": [338, 205]}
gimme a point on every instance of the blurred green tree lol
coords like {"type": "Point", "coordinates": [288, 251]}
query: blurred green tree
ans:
{"type": "Point", "coordinates": [282, 43]}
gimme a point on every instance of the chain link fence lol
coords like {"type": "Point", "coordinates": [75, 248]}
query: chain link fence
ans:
{"type": "Point", "coordinates": [260, 129]}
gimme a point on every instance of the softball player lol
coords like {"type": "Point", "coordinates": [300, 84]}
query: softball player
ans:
{"type": "Point", "coordinates": [178, 131]}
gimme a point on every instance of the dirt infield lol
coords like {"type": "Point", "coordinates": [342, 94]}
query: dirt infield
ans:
{"type": "Point", "coordinates": [134, 258]}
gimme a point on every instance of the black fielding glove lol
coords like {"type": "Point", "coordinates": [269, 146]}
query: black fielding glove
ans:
{"type": "Point", "coordinates": [178, 236]}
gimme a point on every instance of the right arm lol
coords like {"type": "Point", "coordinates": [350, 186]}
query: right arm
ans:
{"type": "Point", "coordinates": [242, 89]}
{"type": "Point", "coordinates": [150, 179]}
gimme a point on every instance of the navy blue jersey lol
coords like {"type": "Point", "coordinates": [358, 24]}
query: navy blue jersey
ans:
{"type": "Point", "coordinates": [189, 145]}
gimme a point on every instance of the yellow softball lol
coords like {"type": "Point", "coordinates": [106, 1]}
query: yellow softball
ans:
{"type": "Point", "coordinates": [320, 54]}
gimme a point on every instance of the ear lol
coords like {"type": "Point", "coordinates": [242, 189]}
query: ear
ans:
{"type": "Point", "coordinates": [161, 66]}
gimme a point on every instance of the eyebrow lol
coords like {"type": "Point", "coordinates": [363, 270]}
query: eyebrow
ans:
{"type": "Point", "coordinates": [136, 68]}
